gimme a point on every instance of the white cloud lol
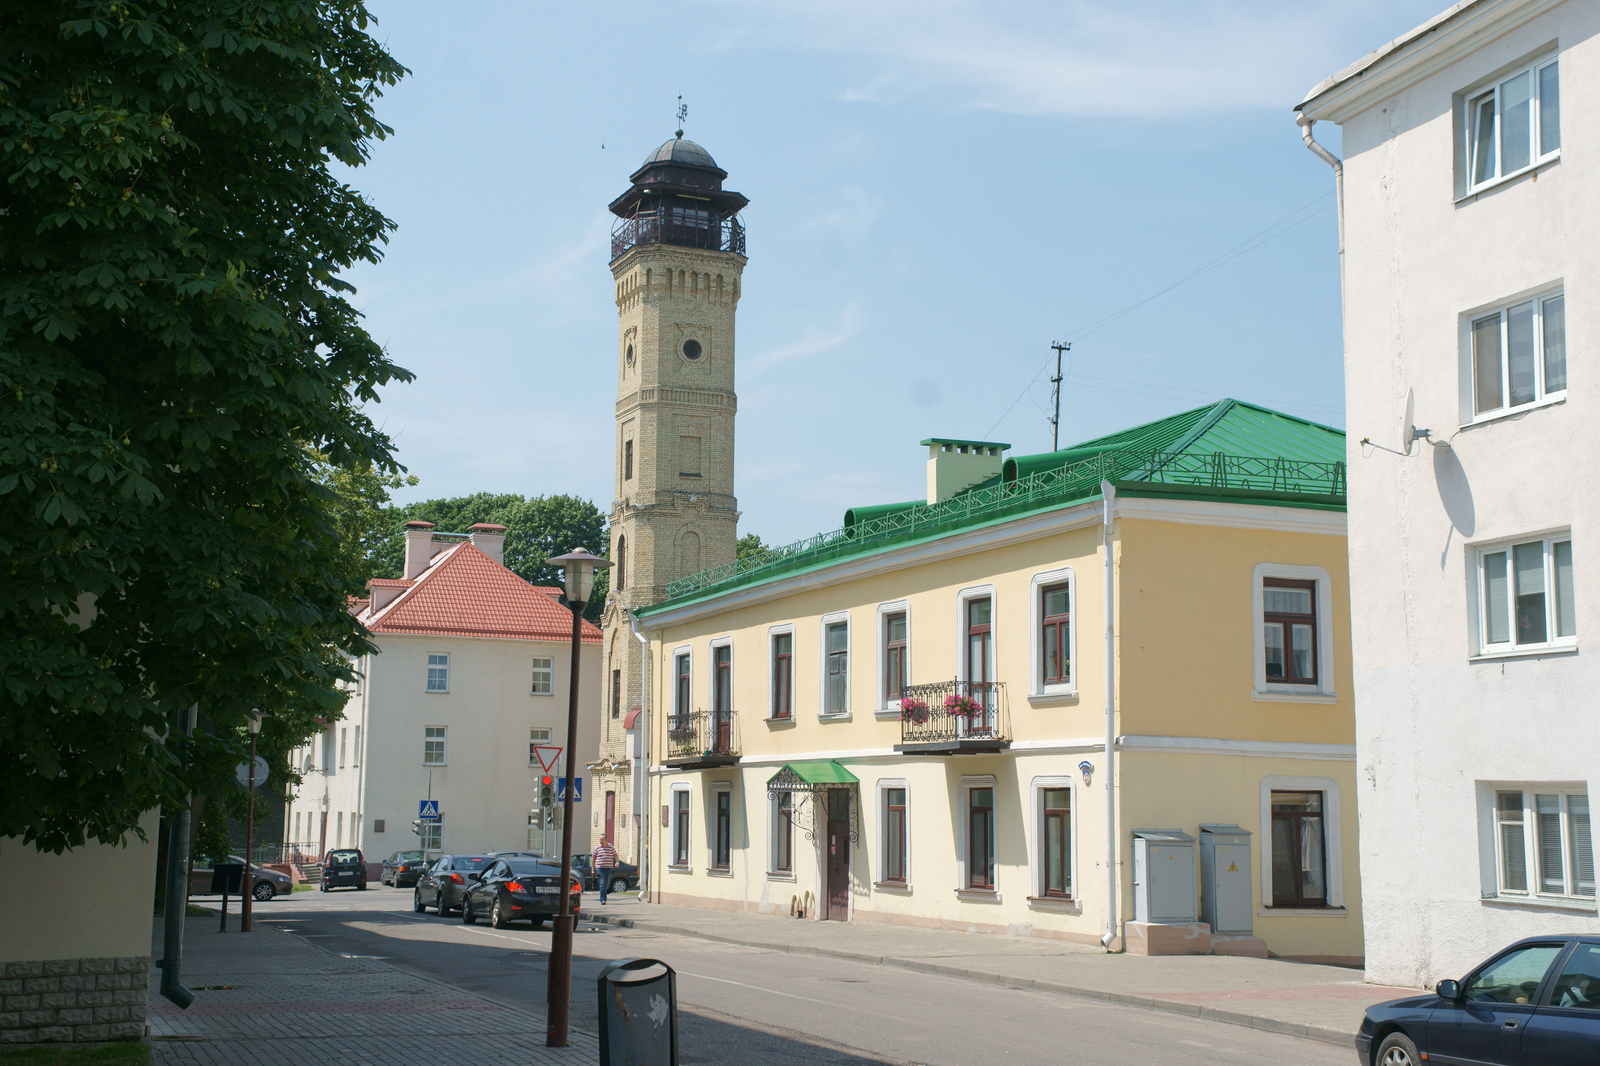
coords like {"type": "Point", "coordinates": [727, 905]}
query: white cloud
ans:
{"type": "Point", "coordinates": [851, 215]}
{"type": "Point", "coordinates": [812, 342]}
{"type": "Point", "coordinates": [1136, 57]}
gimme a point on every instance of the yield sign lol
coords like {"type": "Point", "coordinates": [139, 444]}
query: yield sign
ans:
{"type": "Point", "coordinates": [547, 756]}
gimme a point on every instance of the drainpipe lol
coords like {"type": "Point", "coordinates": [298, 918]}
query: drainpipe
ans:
{"type": "Point", "coordinates": [1109, 493]}
{"type": "Point", "coordinates": [1338, 180]}
{"type": "Point", "coordinates": [642, 774]}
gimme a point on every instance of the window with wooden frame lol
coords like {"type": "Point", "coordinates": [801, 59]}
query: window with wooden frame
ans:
{"type": "Point", "coordinates": [622, 563]}
{"type": "Point", "coordinates": [1519, 355]}
{"type": "Point", "coordinates": [627, 460]}
{"type": "Point", "coordinates": [1057, 824]}
{"type": "Point", "coordinates": [1299, 850]}
{"type": "Point", "coordinates": [722, 847]}
{"type": "Point", "coordinates": [1525, 596]}
{"type": "Point", "coordinates": [680, 827]}
{"type": "Point", "coordinates": [1055, 634]}
{"type": "Point", "coordinates": [837, 691]}
{"type": "Point", "coordinates": [1289, 630]}
{"type": "Point", "coordinates": [783, 833]}
{"type": "Point", "coordinates": [1513, 125]}
{"type": "Point", "coordinates": [782, 675]}
{"type": "Point", "coordinates": [894, 836]}
{"type": "Point", "coordinates": [722, 698]}
{"type": "Point", "coordinates": [894, 656]}
{"type": "Point", "coordinates": [683, 697]}
{"type": "Point", "coordinates": [980, 838]}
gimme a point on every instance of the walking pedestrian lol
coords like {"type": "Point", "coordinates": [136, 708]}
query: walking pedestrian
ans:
{"type": "Point", "coordinates": [605, 860]}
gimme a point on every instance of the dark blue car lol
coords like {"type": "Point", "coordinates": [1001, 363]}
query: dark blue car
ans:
{"type": "Point", "coordinates": [1536, 1003]}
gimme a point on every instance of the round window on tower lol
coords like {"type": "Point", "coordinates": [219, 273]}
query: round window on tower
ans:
{"type": "Point", "coordinates": [630, 355]}
{"type": "Point", "coordinates": [691, 349]}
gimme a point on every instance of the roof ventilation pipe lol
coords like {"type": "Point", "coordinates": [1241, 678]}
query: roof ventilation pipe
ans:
{"type": "Point", "coordinates": [957, 465]}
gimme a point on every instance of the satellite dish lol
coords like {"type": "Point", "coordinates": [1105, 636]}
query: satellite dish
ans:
{"type": "Point", "coordinates": [1408, 423]}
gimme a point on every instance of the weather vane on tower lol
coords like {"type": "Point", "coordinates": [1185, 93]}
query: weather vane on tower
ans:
{"type": "Point", "coordinates": [683, 113]}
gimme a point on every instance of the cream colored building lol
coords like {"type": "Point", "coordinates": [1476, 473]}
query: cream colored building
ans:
{"type": "Point", "coordinates": [469, 683]}
{"type": "Point", "coordinates": [809, 755]}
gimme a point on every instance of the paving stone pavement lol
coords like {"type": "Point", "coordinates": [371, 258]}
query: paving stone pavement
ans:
{"type": "Point", "coordinates": [274, 996]}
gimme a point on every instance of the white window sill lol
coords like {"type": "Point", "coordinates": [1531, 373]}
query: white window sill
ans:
{"type": "Point", "coordinates": [426, 765]}
{"type": "Point", "coordinates": [1547, 903]}
{"type": "Point", "coordinates": [775, 875]}
{"type": "Point", "coordinates": [1524, 653]}
{"type": "Point", "coordinates": [1553, 157]}
{"type": "Point", "coordinates": [1045, 699]}
{"type": "Point", "coordinates": [788, 720]}
{"type": "Point", "coordinates": [680, 869]}
{"type": "Point", "coordinates": [834, 716]}
{"type": "Point", "coordinates": [1055, 904]}
{"type": "Point", "coordinates": [1302, 912]}
{"type": "Point", "coordinates": [712, 871]}
{"type": "Point", "coordinates": [977, 895]}
{"type": "Point", "coordinates": [887, 714]}
{"type": "Point", "coordinates": [437, 691]}
{"type": "Point", "coordinates": [1500, 414]}
{"type": "Point", "coordinates": [1273, 695]}
{"type": "Point", "coordinates": [899, 888]}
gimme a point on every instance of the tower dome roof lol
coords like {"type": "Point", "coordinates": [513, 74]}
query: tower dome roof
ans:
{"type": "Point", "coordinates": [679, 150]}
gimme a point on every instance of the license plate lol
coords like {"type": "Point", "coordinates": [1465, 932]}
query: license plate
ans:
{"type": "Point", "coordinates": [547, 890]}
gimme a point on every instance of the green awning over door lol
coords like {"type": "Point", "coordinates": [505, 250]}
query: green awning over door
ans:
{"type": "Point", "coordinates": [821, 772]}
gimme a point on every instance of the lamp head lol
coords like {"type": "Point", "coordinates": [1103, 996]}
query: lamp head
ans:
{"type": "Point", "coordinates": [579, 568]}
{"type": "Point", "coordinates": [255, 722]}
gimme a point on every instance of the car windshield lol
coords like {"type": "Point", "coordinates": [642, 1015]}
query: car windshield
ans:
{"type": "Point", "coordinates": [342, 858]}
{"type": "Point", "coordinates": [532, 867]}
{"type": "Point", "coordinates": [408, 856]}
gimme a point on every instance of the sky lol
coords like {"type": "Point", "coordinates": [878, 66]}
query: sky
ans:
{"type": "Point", "coordinates": [939, 189]}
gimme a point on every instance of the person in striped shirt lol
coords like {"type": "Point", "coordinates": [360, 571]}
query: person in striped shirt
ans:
{"type": "Point", "coordinates": [605, 860]}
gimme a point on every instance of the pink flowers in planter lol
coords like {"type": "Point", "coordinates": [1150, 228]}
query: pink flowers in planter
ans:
{"type": "Point", "coordinates": [962, 706]}
{"type": "Point", "coordinates": [913, 710]}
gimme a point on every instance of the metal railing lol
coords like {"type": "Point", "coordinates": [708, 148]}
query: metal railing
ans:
{"type": "Point", "coordinates": [1315, 482]}
{"type": "Point", "coordinates": [950, 711]}
{"type": "Point", "coordinates": [267, 854]}
{"type": "Point", "coordinates": [724, 235]}
{"type": "Point", "coordinates": [702, 735]}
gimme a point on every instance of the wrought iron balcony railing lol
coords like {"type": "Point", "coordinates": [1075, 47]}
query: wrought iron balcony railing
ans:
{"type": "Point", "coordinates": [954, 718]}
{"type": "Point", "coordinates": [724, 235]}
{"type": "Point", "coordinates": [702, 739]}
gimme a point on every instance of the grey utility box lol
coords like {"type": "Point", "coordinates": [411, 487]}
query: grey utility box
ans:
{"type": "Point", "coordinates": [1163, 876]}
{"type": "Point", "coordinates": [1225, 901]}
{"type": "Point", "coordinates": [638, 1013]}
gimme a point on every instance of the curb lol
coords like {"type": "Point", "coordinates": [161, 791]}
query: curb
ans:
{"type": "Point", "coordinates": [1320, 1033]}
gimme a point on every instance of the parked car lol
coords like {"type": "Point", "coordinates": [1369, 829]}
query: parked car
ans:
{"type": "Point", "coordinates": [344, 868]}
{"type": "Point", "coordinates": [442, 885]}
{"type": "Point", "coordinates": [402, 868]}
{"type": "Point", "coordinates": [268, 883]}
{"type": "Point", "coordinates": [514, 890]}
{"type": "Point", "coordinates": [1536, 1003]}
{"type": "Point", "coordinates": [624, 877]}
{"type": "Point", "coordinates": [517, 855]}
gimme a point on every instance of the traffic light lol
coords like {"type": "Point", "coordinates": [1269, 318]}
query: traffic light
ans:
{"type": "Point", "coordinates": [547, 792]}
{"type": "Point", "coordinates": [416, 826]}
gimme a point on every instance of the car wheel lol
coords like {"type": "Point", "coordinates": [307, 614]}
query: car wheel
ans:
{"type": "Point", "coordinates": [263, 891]}
{"type": "Point", "coordinates": [417, 904]}
{"type": "Point", "coordinates": [497, 916]}
{"type": "Point", "coordinates": [467, 917]}
{"type": "Point", "coordinates": [1398, 1050]}
{"type": "Point", "coordinates": [538, 923]}
{"type": "Point", "coordinates": [619, 885]}
{"type": "Point", "coordinates": [444, 906]}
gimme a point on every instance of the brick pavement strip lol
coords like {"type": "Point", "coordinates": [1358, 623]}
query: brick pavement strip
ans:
{"type": "Point", "coordinates": [296, 1002]}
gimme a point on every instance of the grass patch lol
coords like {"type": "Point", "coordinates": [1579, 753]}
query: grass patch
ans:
{"type": "Point", "coordinates": [305, 888]}
{"type": "Point", "coordinates": [129, 1054]}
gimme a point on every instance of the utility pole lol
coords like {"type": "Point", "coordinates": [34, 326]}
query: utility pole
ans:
{"type": "Point", "coordinates": [1055, 395]}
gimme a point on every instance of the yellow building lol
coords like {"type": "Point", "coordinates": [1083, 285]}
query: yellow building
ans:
{"type": "Point", "coordinates": [906, 720]}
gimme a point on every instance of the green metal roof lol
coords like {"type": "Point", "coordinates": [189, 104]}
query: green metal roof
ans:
{"type": "Point", "coordinates": [1230, 451]}
{"type": "Point", "coordinates": [819, 772]}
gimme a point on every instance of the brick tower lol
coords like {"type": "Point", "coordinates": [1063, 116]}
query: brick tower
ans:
{"type": "Point", "coordinates": [677, 255]}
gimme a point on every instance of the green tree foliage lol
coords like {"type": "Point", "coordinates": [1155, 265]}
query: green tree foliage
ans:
{"type": "Point", "coordinates": [174, 336]}
{"type": "Point", "coordinates": [749, 546]}
{"type": "Point", "coordinates": [536, 529]}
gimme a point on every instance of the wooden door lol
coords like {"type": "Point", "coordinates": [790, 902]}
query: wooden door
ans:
{"type": "Point", "coordinates": [837, 844]}
{"type": "Point", "coordinates": [611, 818]}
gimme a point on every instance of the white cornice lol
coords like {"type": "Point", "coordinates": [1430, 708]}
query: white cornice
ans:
{"type": "Point", "coordinates": [1414, 56]}
{"type": "Point", "coordinates": [1233, 515]}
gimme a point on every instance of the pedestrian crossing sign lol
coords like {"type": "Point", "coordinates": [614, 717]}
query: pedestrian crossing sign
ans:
{"type": "Point", "coordinates": [428, 808]}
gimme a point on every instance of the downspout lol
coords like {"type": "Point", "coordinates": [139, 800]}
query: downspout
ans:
{"type": "Point", "coordinates": [641, 773]}
{"type": "Point", "coordinates": [361, 767]}
{"type": "Point", "coordinates": [1109, 493]}
{"type": "Point", "coordinates": [1338, 181]}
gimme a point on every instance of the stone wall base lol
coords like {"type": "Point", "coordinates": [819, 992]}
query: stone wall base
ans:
{"type": "Point", "coordinates": [73, 1001]}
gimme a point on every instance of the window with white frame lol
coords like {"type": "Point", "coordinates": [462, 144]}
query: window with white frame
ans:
{"type": "Point", "coordinates": [432, 836]}
{"type": "Point", "coordinates": [355, 753]}
{"type": "Point", "coordinates": [433, 741]}
{"type": "Point", "coordinates": [344, 746]}
{"type": "Point", "coordinates": [438, 672]}
{"type": "Point", "coordinates": [1303, 862]}
{"type": "Point", "coordinates": [327, 751]}
{"type": "Point", "coordinates": [836, 664]}
{"type": "Point", "coordinates": [1292, 613]}
{"type": "Point", "coordinates": [1514, 124]}
{"type": "Point", "coordinates": [895, 863]}
{"type": "Point", "coordinates": [1525, 595]}
{"type": "Point", "coordinates": [680, 826]}
{"type": "Point", "coordinates": [1053, 641]}
{"type": "Point", "coordinates": [1519, 354]}
{"type": "Point", "coordinates": [781, 860]}
{"type": "Point", "coordinates": [1542, 842]}
{"type": "Point", "coordinates": [538, 737]}
{"type": "Point", "coordinates": [544, 676]}
{"type": "Point", "coordinates": [975, 833]}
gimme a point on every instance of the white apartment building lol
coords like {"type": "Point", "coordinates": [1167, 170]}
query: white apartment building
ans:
{"type": "Point", "coordinates": [1471, 245]}
{"type": "Point", "coordinates": [470, 682]}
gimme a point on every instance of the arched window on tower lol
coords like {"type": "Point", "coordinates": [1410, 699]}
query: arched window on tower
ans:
{"type": "Point", "coordinates": [689, 554]}
{"type": "Point", "coordinates": [622, 562]}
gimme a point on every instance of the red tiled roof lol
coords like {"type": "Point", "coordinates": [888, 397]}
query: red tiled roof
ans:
{"type": "Point", "coordinates": [633, 716]}
{"type": "Point", "coordinates": [388, 583]}
{"type": "Point", "coordinates": [467, 594]}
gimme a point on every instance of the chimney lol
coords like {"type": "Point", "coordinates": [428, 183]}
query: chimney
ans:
{"type": "Point", "coordinates": [490, 539]}
{"type": "Point", "coordinates": [955, 465]}
{"type": "Point", "coordinates": [419, 547]}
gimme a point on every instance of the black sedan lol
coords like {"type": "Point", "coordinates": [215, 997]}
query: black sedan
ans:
{"type": "Point", "coordinates": [344, 868]}
{"type": "Point", "coordinates": [402, 868]}
{"type": "Point", "coordinates": [1536, 1003]}
{"type": "Point", "coordinates": [623, 877]}
{"type": "Point", "coordinates": [442, 885]}
{"type": "Point", "coordinates": [515, 890]}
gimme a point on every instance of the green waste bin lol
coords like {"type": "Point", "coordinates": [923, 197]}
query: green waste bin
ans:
{"type": "Point", "coordinates": [638, 1013]}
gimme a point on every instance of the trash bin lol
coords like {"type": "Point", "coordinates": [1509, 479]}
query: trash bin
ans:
{"type": "Point", "coordinates": [638, 1013]}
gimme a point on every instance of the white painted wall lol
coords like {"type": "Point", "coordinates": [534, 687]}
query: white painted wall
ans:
{"type": "Point", "coordinates": [1435, 730]}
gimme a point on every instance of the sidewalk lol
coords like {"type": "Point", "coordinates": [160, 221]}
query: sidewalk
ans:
{"type": "Point", "coordinates": [1323, 1003]}
{"type": "Point", "coordinates": [297, 1003]}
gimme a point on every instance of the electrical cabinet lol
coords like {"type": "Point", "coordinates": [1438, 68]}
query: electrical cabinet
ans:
{"type": "Point", "coordinates": [1163, 876]}
{"type": "Point", "coordinates": [1225, 899]}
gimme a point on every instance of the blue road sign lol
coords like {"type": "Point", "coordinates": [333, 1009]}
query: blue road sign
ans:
{"type": "Point", "coordinates": [561, 789]}
{"type": "Point", "coordinates": [428, 808]}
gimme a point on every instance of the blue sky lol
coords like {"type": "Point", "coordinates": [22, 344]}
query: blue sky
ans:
{"type": "Point", "coordinates": [938, 190]}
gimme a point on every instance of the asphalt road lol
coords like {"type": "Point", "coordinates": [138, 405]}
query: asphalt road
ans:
{"type": "Point", "coordinates": [741, 1005]}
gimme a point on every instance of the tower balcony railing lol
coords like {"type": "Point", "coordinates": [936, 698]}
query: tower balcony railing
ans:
{"type": "Point", "coordinates": [702, 739]}
{"type": "Point", "coordinates": [649, 227]}
{"type": "Point", "coordinates": [954, 718]}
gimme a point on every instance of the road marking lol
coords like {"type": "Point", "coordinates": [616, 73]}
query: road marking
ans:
{"type": "Point", "coordinates": [757, 988]}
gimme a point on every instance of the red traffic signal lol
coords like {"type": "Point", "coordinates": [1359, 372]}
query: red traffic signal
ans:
{"type": "Point", "coordinates": [547, 780]}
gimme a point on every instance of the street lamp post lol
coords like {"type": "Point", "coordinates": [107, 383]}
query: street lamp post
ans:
{"type": "Point", "coordinates": [580, 569]}
{"type": "Point", "coordinates": [250, 825]}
